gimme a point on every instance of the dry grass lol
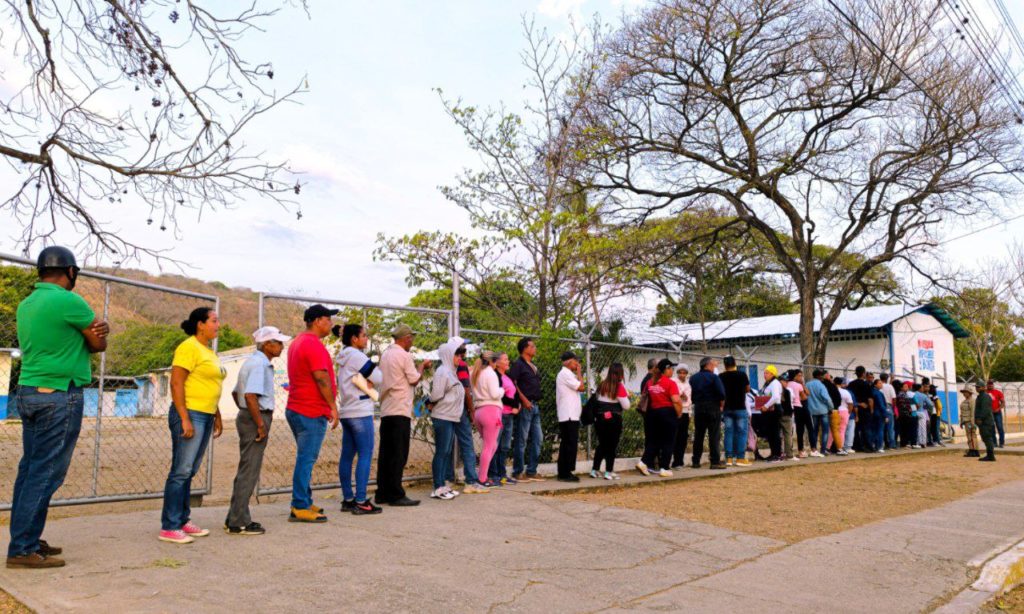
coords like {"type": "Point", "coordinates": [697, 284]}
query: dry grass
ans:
{"type": "Point", "coordinates": [800, 502]}
{"type": "Point", "coordinates": [1012, 601]}
{"type": "Point", "coordinates": [10, 605]}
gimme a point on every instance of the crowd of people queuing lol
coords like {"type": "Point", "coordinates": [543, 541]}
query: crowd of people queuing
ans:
{"type": "Point", "coordinates": [500, 398]}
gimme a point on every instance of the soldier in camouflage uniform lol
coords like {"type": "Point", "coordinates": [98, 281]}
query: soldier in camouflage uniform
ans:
{"type": "Point", "coordinates": [967, 422]}
{"type": "Point", "coordinates": [986, 422]}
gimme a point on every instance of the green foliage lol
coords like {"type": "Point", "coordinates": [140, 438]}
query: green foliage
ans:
{"type": "Point", "coordinates": [496, 304]}
{"type": "Point", "coordinates": [1009, 367]}
{"type": "Point", "coordinates": [993, 325]}
{"type": "Point", "coordinates": [141, 348]}
{"type": "Point", "coordinates": [16, 283]}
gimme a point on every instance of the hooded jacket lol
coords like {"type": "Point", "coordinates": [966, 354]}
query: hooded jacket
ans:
{"type": "Point", "coordinates": [447, 395]}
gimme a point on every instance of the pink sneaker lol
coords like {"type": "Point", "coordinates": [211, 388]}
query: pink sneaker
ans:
{"type": "Point", "coordinates": [192, 530]}
{"type": "Point", "coordinates": [175, 537]}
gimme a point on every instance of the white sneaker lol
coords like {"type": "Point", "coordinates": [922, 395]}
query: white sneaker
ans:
{"type": "Point", "coordinates": [817, 454]}
{"type": "Point", "coordinates": [594, 474]}
{"type": "Point", "coordinates": [475, 489]}
{"type": "Point", "coordinates": [610, 475]}
{"type": "Point", "coordinates": [795, 458]}
{"type": "Point", "coordinates": [665, 473]}
{"type": "Point", "coordinates": [843, 453]}
{"type": "Point", "coordinates": [642, 468]}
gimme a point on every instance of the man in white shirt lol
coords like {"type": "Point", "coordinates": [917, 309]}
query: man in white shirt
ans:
{"type": "Point", "coordinates": [568, 386]}
{"type": "Point", "coordinates": [683, 427]}
{"type": "Point", "coordinates": [889, 393]}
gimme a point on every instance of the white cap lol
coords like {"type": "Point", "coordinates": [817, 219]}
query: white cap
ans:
{"type": "Point", "coordinates": [270, 333]}
{"type": "Point", "coordinates": [683, 367]}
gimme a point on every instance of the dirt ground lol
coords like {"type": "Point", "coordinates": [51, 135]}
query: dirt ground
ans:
{"type": "Point", "coordinates": [1010, 602]}
{"type": "Point", "coordinates": [800, 502]}
{"type": "Point", "coordinates": [9, 605]}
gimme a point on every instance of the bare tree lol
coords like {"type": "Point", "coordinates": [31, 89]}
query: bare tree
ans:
{"type": "Point", "coordinates": [136, 103]}
{"type": "Point", "coordinates": [864, 138]}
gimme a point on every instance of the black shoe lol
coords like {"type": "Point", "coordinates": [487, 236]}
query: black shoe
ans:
{"type": "Point", "coordinates": [348, 506]}
{"type": "Point", "coordinates": [404, 502]}
{"type": "Point", "coordinates": [679, 466]}
{"type": "Point", "coordinates": [253, 528]}
{"type": "Point", "coordinates": [695, 466]}
{"type": "Point", "coordinates": [46, 549]}
{"type": "Point", "coordinates": [719, 466]}
{"type": "Point", "coordinates": [989, 459]}
{"type": "Point", "coordinates": [364, 508]}
{"type": "Point", "coordinates": [568, 478]}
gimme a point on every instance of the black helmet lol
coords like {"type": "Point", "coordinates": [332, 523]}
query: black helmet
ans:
{"type": "Point", "coordinates": [56, 257]}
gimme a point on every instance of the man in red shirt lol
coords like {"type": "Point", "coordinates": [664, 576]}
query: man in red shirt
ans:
{"type": "Point", "coordinates": [311, 406]}
{"type": "Point", "coordinates": [998, 402]}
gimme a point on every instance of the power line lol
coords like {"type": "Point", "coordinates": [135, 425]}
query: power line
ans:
{"type": "Point", "coordinates": [980, 230]}
{"type": "Point", "coordinates": [1009, 24]}
{"type": "Point", "coordinates": [982, 41]}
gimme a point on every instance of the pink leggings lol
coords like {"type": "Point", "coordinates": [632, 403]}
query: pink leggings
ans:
{"type": "Point", "coordinates": [488, 421]}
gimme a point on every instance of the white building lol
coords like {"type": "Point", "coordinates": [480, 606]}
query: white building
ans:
{"type": "Point", "coordinates": [905, 340]}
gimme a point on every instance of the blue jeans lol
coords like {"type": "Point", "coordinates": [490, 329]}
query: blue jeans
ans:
{"type": "Point", "coordinates": [736, 422]}
{"type": "Point", "coordinates": [878, 428]}
{"type": "Point", "coordinates": [498, 469]}
{"type": "Point", "coordinates": [50, 424]}
{"type": "Point", "coordinates": [356, 439]}
{"type": "Point", "coordinates": [999, 428]}
{"type": "Point", "coordinates": [186, 458]}
{"type": "Point", "coordinates": [890, 429]}
{"type": "Point", "coordinates": [444, 439]}
{"type": "Point", "coordinates": [819, 432]}
{"type": "Point", "coordinates": [526, 431]}
{"type": "Point", "coordinates": [309, 436]}
{"type": "Point", "coordinates": [464, 436]}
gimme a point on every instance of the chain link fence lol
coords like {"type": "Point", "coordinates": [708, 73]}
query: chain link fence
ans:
{"type": "Point", "coordinates": [433, 327]}
{"type": "Point", "coordinates": [124, 450]}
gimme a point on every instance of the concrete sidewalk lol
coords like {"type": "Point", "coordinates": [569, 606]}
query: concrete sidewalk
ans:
{"type": "Point", "coordinates": [509, 551]}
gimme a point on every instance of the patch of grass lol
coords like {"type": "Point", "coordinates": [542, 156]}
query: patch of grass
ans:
{"type": "Point", "coordinates": [10, 605]}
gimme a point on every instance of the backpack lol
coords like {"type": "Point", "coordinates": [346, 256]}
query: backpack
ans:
{"type": "Point", "coordinates": [904, 406]}
{"type": "Point", "coordinates": [589, 410]}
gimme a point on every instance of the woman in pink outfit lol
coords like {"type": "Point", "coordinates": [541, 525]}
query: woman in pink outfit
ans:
{"type": "Point", "coordinates": [487, 395]}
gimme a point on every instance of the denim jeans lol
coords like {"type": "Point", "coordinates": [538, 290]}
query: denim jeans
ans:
{"type": "Point", "coordinates": [851, 430]}
{"type": "Point", "coordinates": [736, 424]}
{"type": "Point", "coordinates": [527, 431]}
{"type": "Point", "coordinates": [818, 439]}
{"type": "Point", "coordinates": [890, 428]}
{"type": "Point", "coordinates": [309, 436]}
{"type": "Point", "coordinates": [186, 458]}
{"type": "Point", "coordinates": [356, 439]}
{"type": "Point", "coordinates": [878, 429]}
{"type": "Point", "coordinates": [498, 468]}
{"type": "Point", "coordinates": [50, 424]}
{"type": "Point", "coordinates": [464, 437]}
{"type": "Point", "coordinates": [999, 429]}
{"type": "Point", "coordinates": [444, 439]}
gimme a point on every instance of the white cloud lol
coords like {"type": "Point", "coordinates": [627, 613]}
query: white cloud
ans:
{"type": "Point", "coordinates": [560, 8]}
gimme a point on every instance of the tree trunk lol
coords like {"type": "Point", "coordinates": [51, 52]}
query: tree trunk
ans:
{"type": "Point", "coordinates": [808, 347]}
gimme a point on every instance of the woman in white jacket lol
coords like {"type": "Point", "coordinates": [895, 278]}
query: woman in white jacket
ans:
{"type": "Point", "coordinates": [487, 394]}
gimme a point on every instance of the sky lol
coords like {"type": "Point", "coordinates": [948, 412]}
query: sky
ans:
{"type": "Point", "coordinates": [374, 142]}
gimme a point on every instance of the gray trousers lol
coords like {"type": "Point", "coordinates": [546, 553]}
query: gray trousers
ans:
{"type": "Point", "coordinates": [250, 460]}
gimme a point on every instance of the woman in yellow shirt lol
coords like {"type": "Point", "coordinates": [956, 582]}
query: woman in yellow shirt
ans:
{"type": "Point", "coordinates": [196, 378]}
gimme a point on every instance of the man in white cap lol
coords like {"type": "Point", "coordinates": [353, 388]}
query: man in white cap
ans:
{"type": "Point", "coordinates": [254, 395]}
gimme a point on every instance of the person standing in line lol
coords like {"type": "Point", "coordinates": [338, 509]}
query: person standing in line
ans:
{"type": "Point", "coordinates": [878, 428]}
{"type": "Point", "coordinates": [906, 410]}
{"type": "Point", "coordinates": [837, 437]}
{"type": "Point", "coordinates": [650, 430]}
{"type": "Point", "coordinates": [446, 404]}
{"type": "Point", "coordinates": [756, 426]}
{"type": "Point", "coordinates": [819, 405]}
{"type": "Point", "coordinates": [734, 414]}
{"type": "Point", "coordinates": [924, 407]}
{"type": "Point", "coordinates": [399, 378]}
{"type": "Point", "coordinates": [528, 434]}
{"type": "Point", "coordinates": [772, 411]}
{"type": "Point", "coordinates": [487, 394]}
{"type": "Point", "coordinates": [196, 379]}
{"type": "Point", "coordinates": [998, 404]}
{"type": "Point", "coordinates": [801, 414]}
{"type": "Point", "coordinates": [984, 418]}
{"type": "Point", "coordinates": [935, 419]}
{"type": "Point", "coordinates": [683, 427]}
{"type": "Point", "coordinates": [509, 408]}
{"type": "Point", "coordinates": [889, 392]}
{"type": "Point", "coordinates": [664, 408]}
{"type": "Point", "coordinates": [311, 407]}
{"type": "Point", "coordinates": [612, 400]}
{"type": "Point", "coordinates": [57, 331]}
{"type": "Point", "coordinates": [464, 431]}
{"type": "Point", "coordinates": [358, 380]}
{"type": "Point", "coordinates": [835, 434]}
{"type": "Point", "coordinates": [568, 386]}
{"type": "Point", "coordinates": [254, 396]}
{"type": "Point", "coordinates": [708, 401]}
{"type": "Point", "coordinates": [967, 423]}
{"type": "Point", "coordinates": [863, 398]}
{"type": "Point", "coordinates": [787, 419]}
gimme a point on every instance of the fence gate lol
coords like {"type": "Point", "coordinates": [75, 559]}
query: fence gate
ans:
{"type": "Point", "coordinates": [433, 327]}
{"type": "Point", "coordinates": [124, 450]}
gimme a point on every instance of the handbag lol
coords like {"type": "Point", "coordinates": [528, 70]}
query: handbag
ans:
{"type": "Point", "coordinates": [644, 403]}
{"type": "Point", "coordinates": [589, 409]}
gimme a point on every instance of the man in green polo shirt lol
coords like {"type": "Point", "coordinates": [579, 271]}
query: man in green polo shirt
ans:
{"type": "Point", "coordinates": [56, 333]}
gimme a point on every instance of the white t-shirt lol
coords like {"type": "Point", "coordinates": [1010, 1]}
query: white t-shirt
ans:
{"type": "Point", "coordinates": [353, 402]}
{"type": "Point", "coordinates": [846, 399]}
{"type": "Point", "coordinates": [890, 394]}
{"type": "Point", "coordinates": [567, 396]}
{"type": "Point", "coordinates": [685, 394]}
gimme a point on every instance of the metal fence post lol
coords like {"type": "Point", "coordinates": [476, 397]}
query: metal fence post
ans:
{"type": "Point", "coordinates": [456, 303]}
{"type": "Point", "coordinates": [209, 449]}
{"type": "Point", "coordinates": [99, 403]}
{"type": "Point", "coordinates": [590, 388]}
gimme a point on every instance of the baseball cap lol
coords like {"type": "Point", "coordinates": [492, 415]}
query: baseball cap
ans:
{"type": "Point", "coordinates": [318, 311]}
{"type": "Point", "coordinates": [665, 363]}
{"type": "Point", "coordinates": [839, 381]}
{"type": "Point", "coordinates": [402, 330]}
{"type": "Point", "coordinates": [568, 355]}
{"type": "Point", "coordinates": [270, 333]}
